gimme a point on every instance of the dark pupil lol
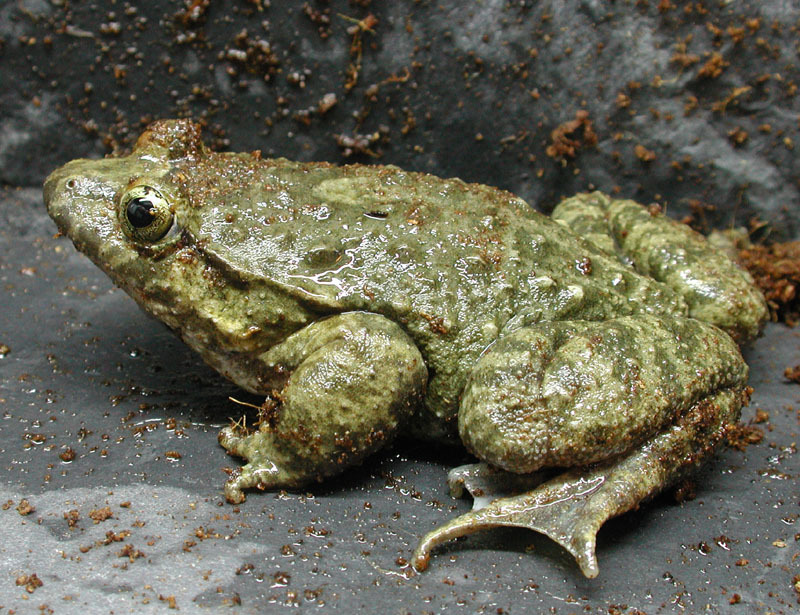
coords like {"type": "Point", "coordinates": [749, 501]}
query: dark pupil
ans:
{"type": "Point", "coordinates": [141, 212]}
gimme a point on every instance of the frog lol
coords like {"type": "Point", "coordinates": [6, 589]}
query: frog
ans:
{"type": "Point", "coordinates": [590, 358]}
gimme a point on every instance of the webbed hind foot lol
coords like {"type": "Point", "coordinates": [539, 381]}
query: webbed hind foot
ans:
{"type": "Point", "coordinates": [572, 507]}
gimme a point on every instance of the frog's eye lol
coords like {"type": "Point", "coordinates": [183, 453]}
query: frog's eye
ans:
{"type": "Point", "coordinates": [145, 214]}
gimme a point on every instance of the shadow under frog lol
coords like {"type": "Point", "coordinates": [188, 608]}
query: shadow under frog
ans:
{"type": "Point", "coordinates": [362, 301]}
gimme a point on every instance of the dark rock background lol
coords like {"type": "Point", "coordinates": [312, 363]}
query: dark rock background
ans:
{"type": "Point", "coordinates": [693, 104]}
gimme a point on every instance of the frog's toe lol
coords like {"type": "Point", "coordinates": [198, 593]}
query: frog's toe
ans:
{"type": "Point", "coordinates": [233, 488]}
{"type": "Point", "coordinates": [261, 470]}
{"type": "Point", "coordinates": [230, 440]}
{"type": "Point", "coordinates": [248, 476]}
{"type": "Point", "coordinates": [486, 483]}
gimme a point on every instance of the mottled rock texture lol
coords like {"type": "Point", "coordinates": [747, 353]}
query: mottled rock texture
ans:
{"type": "Point", "coordinates": [693, 104]}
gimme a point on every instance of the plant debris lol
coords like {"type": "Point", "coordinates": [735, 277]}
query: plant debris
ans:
{"type": "Point", "coordinates": [100, 514]}
{"type": "Point", "coordinates": [742, 435]}
{"type": "Point", "coordinates": [565, 140]}
{"type": "Point", "coordinates": [31, 582]}
{"type": "Point", "coordinates": [776, 270]}
{"type": "Point", "coordinates": [792, 374]}
{"type": "Point", "coordinates": [25, 508]}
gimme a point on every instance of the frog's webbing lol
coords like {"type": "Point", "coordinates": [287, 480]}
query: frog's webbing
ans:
{"type": "Point", "coordinates": [572, 507]}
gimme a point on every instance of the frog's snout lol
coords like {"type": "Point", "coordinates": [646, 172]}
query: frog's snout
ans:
{"type": "Point", "coordinates": [56, 197]}
{"type": "Point", "coordinates": [51, 185]}
{"type": "Point", "coordinates": [77, 199]}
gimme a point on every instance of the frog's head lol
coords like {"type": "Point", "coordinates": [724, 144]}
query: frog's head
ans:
{"type": "Point", "coordinates": [126, 202]}
{"type": "Point", "coordinates": [139, 218]}
{"type": "Point", "coordinates": [125, 213]}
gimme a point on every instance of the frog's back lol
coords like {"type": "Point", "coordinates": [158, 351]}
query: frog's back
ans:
{"type": "Point", "coordinates": [357, 237]}
{"type": "Point", "coordinates": [454, 263]}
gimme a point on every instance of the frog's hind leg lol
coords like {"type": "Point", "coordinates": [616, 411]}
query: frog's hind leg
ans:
{"type": "Point", "coordinates": [349, 382]}
{"type": "Point", "coordinates": [571, 508]}
{"type": "Point", "coordinates": [714, 287]}
{"type": "Point", "coordinates": [637, 401]}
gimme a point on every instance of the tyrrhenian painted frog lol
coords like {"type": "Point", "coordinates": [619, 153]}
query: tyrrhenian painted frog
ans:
{"type": "Point", "coordinates": [366, 300]}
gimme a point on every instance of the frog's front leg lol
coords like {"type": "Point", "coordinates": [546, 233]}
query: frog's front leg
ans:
{"type": "Point", "coordinates": [637, 401]}
{"type": "Point", "coordinates": [346, 384]}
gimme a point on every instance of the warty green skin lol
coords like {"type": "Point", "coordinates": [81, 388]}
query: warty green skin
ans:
{"type": "Point", "coordinates": [715, 291]}
{"type": "Point", "coordinates": [363, 300]}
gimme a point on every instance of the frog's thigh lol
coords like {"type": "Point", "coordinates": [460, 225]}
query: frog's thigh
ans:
{"type": "Point", "coordinates": [577, 392]}
{"type": "Point", "coordinates": [352, 380]}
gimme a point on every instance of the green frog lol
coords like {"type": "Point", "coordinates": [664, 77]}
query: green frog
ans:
{"type": "Point", "coordinates": [596, 348]}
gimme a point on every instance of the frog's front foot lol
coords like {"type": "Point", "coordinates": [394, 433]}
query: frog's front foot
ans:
{"type": "Point", "coordinates": [636, 402]}
{"type": "Point", "coordinates": [354, 378]}
{"type": "Point", "coordinates": [260, 471]}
